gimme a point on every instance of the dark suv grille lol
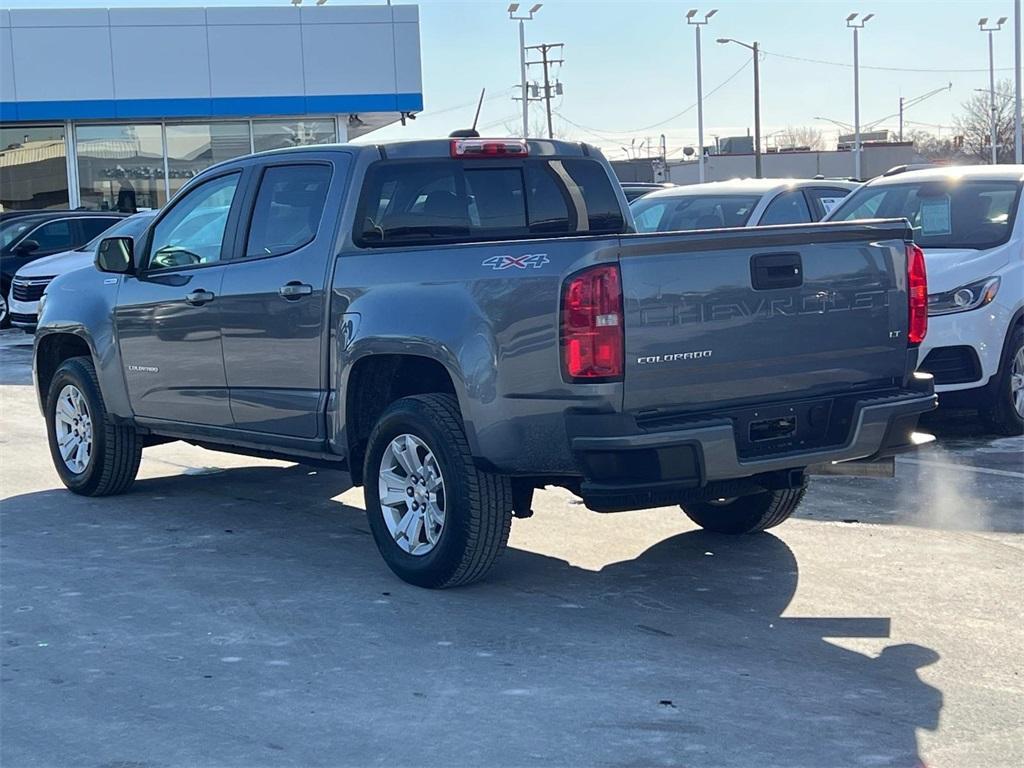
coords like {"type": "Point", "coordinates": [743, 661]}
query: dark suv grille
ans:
{"type": "Point", "coordinates": [32, 289]}
{"type": "Point", "coordinates": [953, 365]}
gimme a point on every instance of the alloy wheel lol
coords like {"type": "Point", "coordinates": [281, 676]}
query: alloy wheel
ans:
{"type": "Point", "coordinates": [412, 494]}
{"type": "Point", "coordinates": [74, 429]}
{"type": "Point", "coordinates": [1017, 382]}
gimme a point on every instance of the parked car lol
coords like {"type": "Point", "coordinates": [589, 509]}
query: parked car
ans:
{"type": "Point", "coordinates": [738, 203]}
{"type": "Point", "coordinates": [30, 281]}
{"type": "Point", "coordinates": [25, 237]}
{"type": "Point", "coordinates": [457, 323]}
{"type": "Point", "coordinates": [968, 220]}
{"type": "Point", "coordinates": [635, 189]}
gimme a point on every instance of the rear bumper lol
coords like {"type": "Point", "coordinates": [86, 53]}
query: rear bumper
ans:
{"type": "Point", "coordinates": [649, 467]}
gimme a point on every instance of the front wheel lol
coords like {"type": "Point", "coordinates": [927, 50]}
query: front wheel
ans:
{"type": "Point", "coordinates": [92, 455]}
{"type": "Point", "coordinates": [437, 519]}
{"type": "Point", "coordinates": [746, 514]}
{"type": "Point", "coordinates": [1004, 406]}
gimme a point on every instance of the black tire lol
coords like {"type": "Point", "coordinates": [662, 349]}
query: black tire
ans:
{"type": "Point", "coordinates": [478, 508]}
{"type": "Point", "coordinates": [746, 514]}
{"type": "Point", "coordinates": [5, 307]}
{"type": "Point", "coordinates": [116, 449]}
{"type": "Point", "coordinates": [998, 408]}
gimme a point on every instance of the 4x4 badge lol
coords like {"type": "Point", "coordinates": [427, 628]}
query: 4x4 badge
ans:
{"type": "Point", "coordinates": [535, 260]}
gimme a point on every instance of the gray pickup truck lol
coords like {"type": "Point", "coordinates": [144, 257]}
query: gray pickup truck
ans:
{"type": "Point", "coordinates": [456, 323]}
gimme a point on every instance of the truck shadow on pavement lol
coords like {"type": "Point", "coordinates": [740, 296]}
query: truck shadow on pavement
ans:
{"type": "Point", "coordinates": [245, 618]}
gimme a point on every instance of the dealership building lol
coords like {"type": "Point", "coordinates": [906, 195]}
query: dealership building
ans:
{"type": "Point", "coordinates": [117, 108]}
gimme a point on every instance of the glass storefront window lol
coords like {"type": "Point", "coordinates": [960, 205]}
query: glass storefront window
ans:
{"type": "Point", "coordinates": [194, 147]}
{"type": "Point", "coordinates": [278, 134]}
{"type": "Point", "coordinates": [33, 168]}
{"type": "Point", "coordinates": [120, 167]}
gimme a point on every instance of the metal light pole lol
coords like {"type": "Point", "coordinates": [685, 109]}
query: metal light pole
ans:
{"type": "Point", "coordinates": [856, 26]}
{"type": "Point", "coordinates": [757, 101]}
{"type": "Point", "coordinates": [1018, 140]}
{"type": "Point", "coordinates": [984, 27]}
{"type": "Point", "coordinates": [691, 18]}
{"type": "Point", "coordinates": [512, 9]}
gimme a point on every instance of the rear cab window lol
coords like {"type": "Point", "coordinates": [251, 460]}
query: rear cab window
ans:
{"type": "Point", "coordinates": [441, 200]}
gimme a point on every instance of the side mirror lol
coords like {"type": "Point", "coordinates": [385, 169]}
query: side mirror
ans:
{"type": "Point", "coordinates": [26, 247]}
{"type": "Point", "coordinates": [116, 254]}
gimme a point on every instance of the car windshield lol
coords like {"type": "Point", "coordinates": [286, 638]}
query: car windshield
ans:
{"type": "Point", "coordinates": [133, 226]}
{"type": "Point", "coordinates": [954, 213]}
{"type": "Point", "coordinates": [681, 213]}
{"type": "Point", "coordinates": [10, 230]}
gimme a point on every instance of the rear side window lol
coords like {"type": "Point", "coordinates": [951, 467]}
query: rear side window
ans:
{"type": "Point", "coordinates": [91, 227]}
{"type": "Point", "coordinates": [787, 208]}
{"type": "Point", "coordinates": [54, 236]}
{"type": "Point", "coordinates": [289, 205]}
{"type": "Point", "coordinates": [421, 202]}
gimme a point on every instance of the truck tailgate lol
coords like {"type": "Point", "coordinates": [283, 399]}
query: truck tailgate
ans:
{"type": "Point", "coordinates": [765, 314]}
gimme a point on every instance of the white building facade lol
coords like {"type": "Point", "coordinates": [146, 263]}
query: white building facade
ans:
{"type": "Point", "coordinates": [117, 108]}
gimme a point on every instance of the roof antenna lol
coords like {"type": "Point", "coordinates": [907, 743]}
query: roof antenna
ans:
{"type": "Point", "coordinates": [470, 133]}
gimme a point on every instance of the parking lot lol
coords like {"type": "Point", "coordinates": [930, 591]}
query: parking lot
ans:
{"type": "Point", "coordinates": [234, 612]}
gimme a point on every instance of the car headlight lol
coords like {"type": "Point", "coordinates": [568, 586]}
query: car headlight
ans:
{"type": "Point", "coordinates": [964, 298]}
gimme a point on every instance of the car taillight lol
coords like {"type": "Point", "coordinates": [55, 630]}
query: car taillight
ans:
{"type": "Point", "coordinates": [592, 327]}
{"type": "Point", "coordinates": [489, 148]}
{"type": "Point", "coordinates": [917, 288]}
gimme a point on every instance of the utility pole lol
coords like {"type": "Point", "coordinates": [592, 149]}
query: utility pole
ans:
{"type": "Point", "coordinates": [983, 25]}
{"type": "Point", "coordinates": [856, 27]}
{"type": "Point", "coordinates": [691, 19]}
{"type": "Point", "coordinates": [512, 10]}
{"type": "Point", "coordinates": [757, 100]}
{"type": "Point", "coordinates": [545, 49]}
{"type": "Point", "coordinates": [901, 118]}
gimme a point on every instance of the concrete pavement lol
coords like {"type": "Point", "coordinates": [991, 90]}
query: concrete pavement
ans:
{"type": "Point", "coordinates": [234, 612]}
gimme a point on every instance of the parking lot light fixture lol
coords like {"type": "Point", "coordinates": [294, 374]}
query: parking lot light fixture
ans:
{"type": "Point", "coordinates": [984, 26]}
{"type": "Point", "coordinates": [697, 23]}
{"type": "Point", "coordinates": [513, 10]}
{"type": "Point", "coordinates": [856, 26]}
{"type": "Point", "coordinates": [757, 100]}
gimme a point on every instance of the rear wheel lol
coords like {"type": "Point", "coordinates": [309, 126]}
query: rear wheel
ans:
{"type": "Point", "coordinates": [92, 455]}
{"type": "Point", "coordinates": [746, 514]}
{"type": "Point", "coordinates": [5, 315]}
{"type": "Point", "coordinates": [438, 521]}
{"type": "Point", "coordinates": [1004, 406]}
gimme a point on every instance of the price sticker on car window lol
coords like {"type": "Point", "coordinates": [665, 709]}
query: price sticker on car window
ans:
{"type": "Point", "coordinates": [935, 216]}
{"type": "Point", "coordinates": [828, 203]}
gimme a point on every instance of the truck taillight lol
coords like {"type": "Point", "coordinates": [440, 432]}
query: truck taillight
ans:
{"type": "Point", "coordinates": [917, 288]}
{"type": "Point", "coordinates": [592, 326]}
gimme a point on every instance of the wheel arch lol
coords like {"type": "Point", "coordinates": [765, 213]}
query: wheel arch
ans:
{"type": "Point", "coordinates": [375, 380]}
{"type": "Point", "coordinates": [51, 350]}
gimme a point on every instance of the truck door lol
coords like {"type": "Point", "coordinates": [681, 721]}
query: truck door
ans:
{"type": "Point", "coordinates": [274, 297]}
{"type": "Point", "coordinates": [167, 317]}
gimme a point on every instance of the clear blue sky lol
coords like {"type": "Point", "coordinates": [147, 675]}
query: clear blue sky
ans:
{"type": "Point", "coordinates": [630, 63]}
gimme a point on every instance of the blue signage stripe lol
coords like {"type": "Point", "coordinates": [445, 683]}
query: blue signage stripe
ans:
{"type": "Point", "coordinates": [235, 106]}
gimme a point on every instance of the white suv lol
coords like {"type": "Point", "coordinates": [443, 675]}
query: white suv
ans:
{"type": "Point", "coordinates": [970, 222]}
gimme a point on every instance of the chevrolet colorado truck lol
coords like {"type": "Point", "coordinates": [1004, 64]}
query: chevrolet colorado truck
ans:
{"type": "Point", "coordinates": [457, 323]}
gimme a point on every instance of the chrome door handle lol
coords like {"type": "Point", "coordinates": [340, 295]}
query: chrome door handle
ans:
{"type": "Point", "coordinates": [198, 298]}
{"type": "Point", "coordinates": [295, 290]}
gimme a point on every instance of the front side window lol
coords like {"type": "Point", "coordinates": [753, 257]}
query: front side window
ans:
{"type": "Point", "coordinates": [787, 208]}
{"type": "Point", "coordinates": [953, 213]}
{"type": "Point", "coordinates": [690, 212]}
{"type": "Point", "coordinates": [53, 236]}
{"type": "Point", "coordinates": [288, 208]}
{"type": "Point", "coordinates": [192, 233]}
{"type": "Point", "coordinates": [435, 201]}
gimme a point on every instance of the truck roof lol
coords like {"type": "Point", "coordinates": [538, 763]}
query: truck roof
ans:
{"type": "Point", "coordinates": [442, 148]}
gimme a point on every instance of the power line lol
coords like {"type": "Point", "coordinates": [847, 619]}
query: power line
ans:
{"type": "Point", "coordinates": [884, 69]}
{"type": "Point", "coordinates": [610, 133]}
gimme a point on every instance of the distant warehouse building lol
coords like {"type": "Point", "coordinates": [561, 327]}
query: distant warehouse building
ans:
{"type": "Point", "coordinates": [117, 108]}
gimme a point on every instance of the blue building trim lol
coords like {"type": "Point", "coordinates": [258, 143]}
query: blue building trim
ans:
{"type": "Point", "coordinates": [239, 106]}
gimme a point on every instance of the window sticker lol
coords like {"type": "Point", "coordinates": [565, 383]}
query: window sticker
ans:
{"type": "Point", "coordinates": [828, 203]}
{"type": "Point", "coordinates": [935, 217]}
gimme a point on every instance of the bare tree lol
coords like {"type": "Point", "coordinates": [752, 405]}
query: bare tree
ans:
{"type": "Point", "coordinates": [974, 125]}
{"type": "Point", "coordinates": [935, 149]}
{"type": "Point", "coordinates": [800, 136]}
{"type": "Point", "coordinates": [538, 127]}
